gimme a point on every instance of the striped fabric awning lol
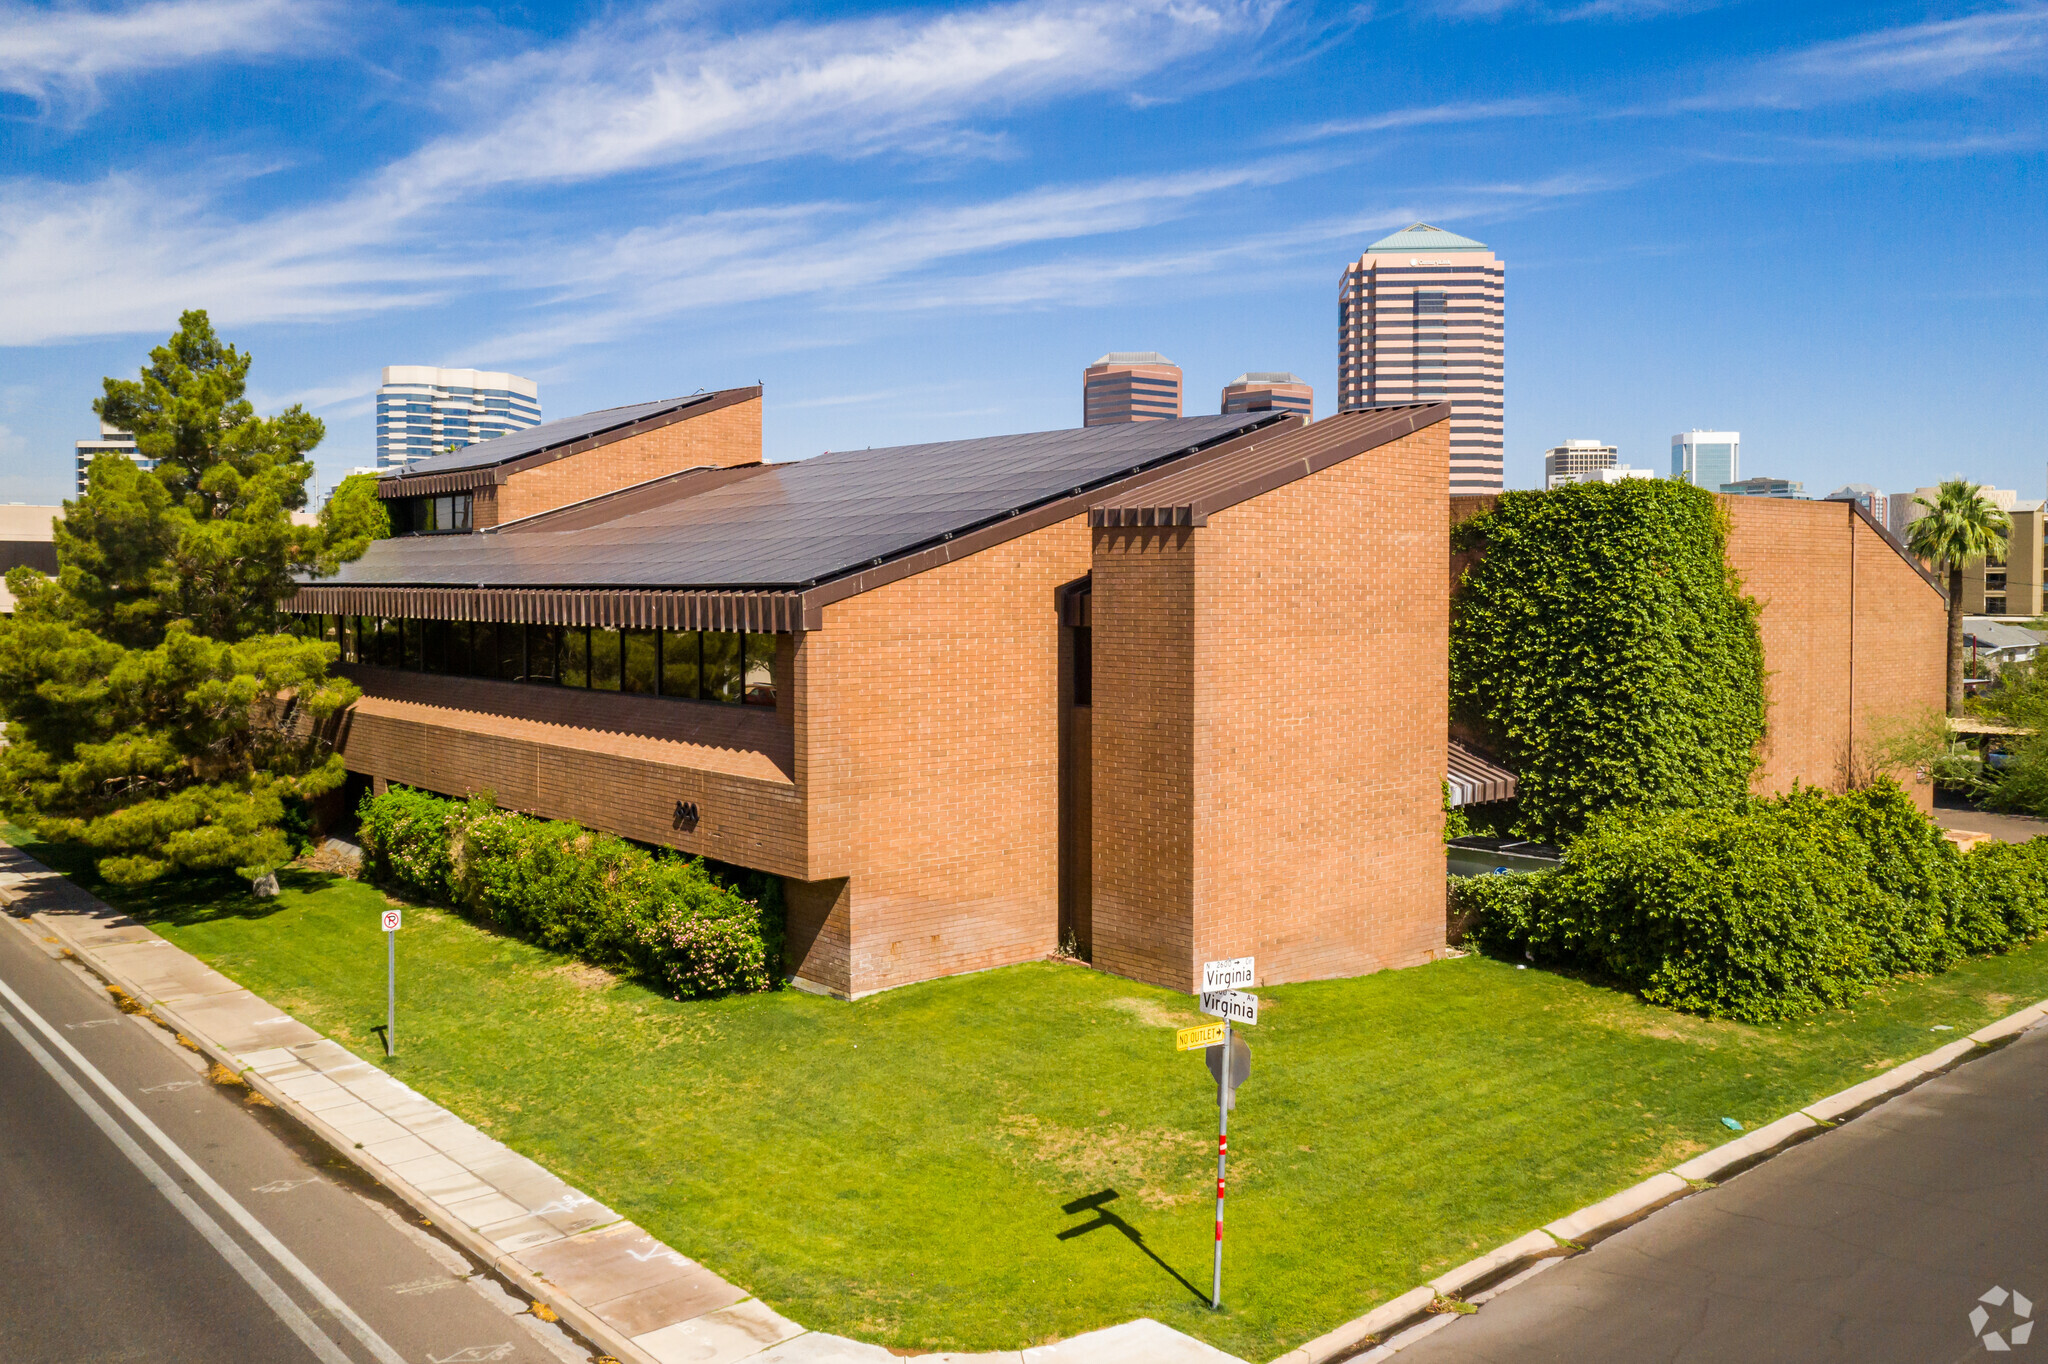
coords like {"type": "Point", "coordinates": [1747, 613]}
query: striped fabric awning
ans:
{"type": "Point", "coordinates": [1474, 780]}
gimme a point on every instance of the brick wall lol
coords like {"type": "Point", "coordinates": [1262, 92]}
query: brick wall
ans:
{"type": "Point", "coordinates": [1269, 728]}
{"type": "Point", "coordinates": [724, 437]}
{"type": "Point", "coordinates": [1852, 635]}
{"type": "Point", "coordinates": [929, 752]}
{"type": "Point", "coordinates": [613, 762]}
{"type": "Point", "coordinates": [1853, 638]}
{"type": "Point", "coordinates": [1143, 735]}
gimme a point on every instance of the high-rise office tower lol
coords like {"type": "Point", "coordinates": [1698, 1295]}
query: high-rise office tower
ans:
{"type": "Point", "coordinates": [1130, 386]}
{"type": "Point", "coordinates": [110, 439]}
{"type": "Point", "coordinates": [423, 410]}
{"type": "Point", "coordinates": [1565, 463]}
{"type": "Point", "coordinates": [1420, 317]}
{"type": "Point", "coordinates": [1268, 391]}
{"type": "Point", "coordinates": [1707, 459]}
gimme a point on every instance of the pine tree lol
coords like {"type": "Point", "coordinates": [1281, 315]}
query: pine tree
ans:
{"type": "Point", "coordinates": [158, 708]}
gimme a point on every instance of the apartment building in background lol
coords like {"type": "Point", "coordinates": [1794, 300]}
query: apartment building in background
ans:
{"type": "Point", "coordinates": [1421, 317]}
{"type": "Point", "coordinates": [2004, 585]}
{"type": "Point", "coordinates": [110, 439]}
{"type": "Point", "coordinates": [1762, 486]}
{"type": "Point", "coordinates": [1707, 459]}
{"type": "Point", "coordinates": [1871, 499]}
{"type": "Point", "coordinates": [1565, 463]}
{"type": "Point", "coordinates": [1130, 386]}
{"type": "Point", "coordinates": [423, 410]}
{"type": "Point", "coordinates": [1268, 391]}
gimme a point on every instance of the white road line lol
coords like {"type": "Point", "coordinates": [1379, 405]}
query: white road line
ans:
{"type": "Point", "coordinates": [311, 1282]}
{"type": "Point", "coordinates": [252, 1273]}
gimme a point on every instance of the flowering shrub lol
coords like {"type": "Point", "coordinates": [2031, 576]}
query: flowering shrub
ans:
{"type": "Point", "coordinates": [702, 956]}
{"type": "Point", "coordinates": [677, 922]}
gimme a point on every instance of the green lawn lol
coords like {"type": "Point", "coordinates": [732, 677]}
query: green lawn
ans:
{"type": "Point", "coordinates": [895, 1169]}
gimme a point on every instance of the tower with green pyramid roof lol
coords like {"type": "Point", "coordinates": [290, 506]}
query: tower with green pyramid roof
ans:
{"type": "Point", "coordinates": [1421, 319]}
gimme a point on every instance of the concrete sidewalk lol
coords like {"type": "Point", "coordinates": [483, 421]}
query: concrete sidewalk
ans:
{"type": "Point", "coordinates": [614, 1283]}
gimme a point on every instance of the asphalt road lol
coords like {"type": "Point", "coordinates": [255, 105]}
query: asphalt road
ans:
{"type": "Point", "coordinates": [147, 1213]}
{"type": "Point", "coordinates": [1873, 1242]}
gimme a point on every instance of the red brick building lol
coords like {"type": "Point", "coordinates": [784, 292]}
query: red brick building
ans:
{"type": "Point", "coordinates": [1174, 689]}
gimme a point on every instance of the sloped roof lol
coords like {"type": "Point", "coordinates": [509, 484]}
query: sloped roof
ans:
{"type": "Point", "coordinates": [791, 526]}
{"type": "Point", "coordinates": [1423, 237]}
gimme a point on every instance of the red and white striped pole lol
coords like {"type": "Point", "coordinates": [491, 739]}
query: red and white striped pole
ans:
{"type": "Point", "coordinates": [1222, 1155]}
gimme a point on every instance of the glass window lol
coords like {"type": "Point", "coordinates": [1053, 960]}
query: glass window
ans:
{"type": "Point", "coordinates": [1084, 666]}
{"type": "Point", "coordinates": [463, 503]}
{"type": "Point", "coordinates": [642, 661]}
{"type": "Point", "coordinates": [386, 645]}
{"type": "Point", "coordinates": [444, 514]}
{"type": "Point", "coordinates": [679, 663]}
{"type": "Point", "coordinates": [410, 640]}
{"type": "Point", "coordinates": [543, 652]}
{"type": "Point", "coordinates": [574, 669]}
{"type": "Point", "coordinates": [760, 670]}
{"type": "Point", "coordinates": [434, 645]}
{"type": "Point", "coordinates": [721, 669]}
{"type": "Point", "coordinates": [604, 660]}
{"type": "Point", "coordinates": [458, 660]}
{"type": "Point", "coordinates": [483, 649]}
{"type": "Point", "coordinates": [511, 651]}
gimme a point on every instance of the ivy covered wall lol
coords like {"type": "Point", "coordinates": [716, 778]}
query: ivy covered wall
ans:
{"type": "Point", "coordinates": [1602, 648]}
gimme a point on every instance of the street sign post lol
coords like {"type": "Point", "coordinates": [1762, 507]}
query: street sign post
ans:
{"type": "Point", "coordinates": [1223, 998]}
{"type": "Point", "coordinates": [391, 922]}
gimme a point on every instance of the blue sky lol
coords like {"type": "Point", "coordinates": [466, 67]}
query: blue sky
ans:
{"type": "Point", "coordinates": [1822, 225]}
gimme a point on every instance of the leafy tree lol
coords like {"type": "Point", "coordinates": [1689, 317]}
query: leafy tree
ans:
{"type": "Point", "coordinates": [353, 517]}
{"type": "Point", "coordinates": [154, 711]}
{"type": "Point", "coordinates": [1960, 524]}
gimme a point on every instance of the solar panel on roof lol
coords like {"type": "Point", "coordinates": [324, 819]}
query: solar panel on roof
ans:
{"type": "Point", "coordinates": [796, 524]}
{"type": "Point", "coordinates": [498, 449]}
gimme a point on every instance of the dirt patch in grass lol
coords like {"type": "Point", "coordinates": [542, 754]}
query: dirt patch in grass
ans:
{"type": "Point", "coordinates": [1161, 1167]}
{"type": "Point", "coordinates": [1153, 1013]}
{"type": "Point", "coordinates": [584, 976]}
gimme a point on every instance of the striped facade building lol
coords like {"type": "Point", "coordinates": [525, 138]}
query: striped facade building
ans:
{"type": "Point", "coordinates": [1269, 391]}
{"type": "Point", "coordinates": [1130, 386]}
{"type": "Point", "coordinates": [1420, 317]}
{"type": "Point", "coordinates": [424, 410]}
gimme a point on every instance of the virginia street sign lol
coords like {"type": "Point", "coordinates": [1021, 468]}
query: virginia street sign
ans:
{"type": "Point", "coordinates": [1233, 1006]}
{"type": "Point", "coordinates": [1232, 973]}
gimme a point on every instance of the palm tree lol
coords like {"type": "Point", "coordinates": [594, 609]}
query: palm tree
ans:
{"type": "Point", "coordinates": [1959, 525]}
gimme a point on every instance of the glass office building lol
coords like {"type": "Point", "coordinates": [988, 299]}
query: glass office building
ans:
{"type": "Point", "coordinates": [1707, 459]}
{"type": "Point", "coordinates": [423, 410]}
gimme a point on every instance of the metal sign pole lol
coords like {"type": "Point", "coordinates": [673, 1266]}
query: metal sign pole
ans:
{"type": "Point", "coordinates": [1222, 1154]}
{"type": "Point", "coordinates": [390, 992]}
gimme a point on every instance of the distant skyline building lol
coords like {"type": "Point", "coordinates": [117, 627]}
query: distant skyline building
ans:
{"type": "Point", "coordinates": [1565, 463]}
{"type": "Point", "coordinates": [110, 439]}
{"type": "Point", "coordinates": [1761, 486]}
{"type": "Point", "coordinates": [424, 410]}
{"type": "Point", "coordinates": [1873, 501]}
{"type": "Point", "coordinates": [1130, 386]}
{"type": "Point", "coordinates": [1707, 459]}
{"type": "Point", "coordinates": [1269, 391]}
{"type": "Point", "coordinates": [1619, 473]}
{"type": "Point", "coordinates": [1421, 317]}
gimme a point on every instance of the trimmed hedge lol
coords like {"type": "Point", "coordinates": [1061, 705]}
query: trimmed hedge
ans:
{"type": "Point", "coordinates": [1768, 910]}
{"type": "Point", "coordinates": [671, 920]}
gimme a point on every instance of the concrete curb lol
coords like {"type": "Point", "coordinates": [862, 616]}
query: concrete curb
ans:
{"type": "Point", "coordinates": [1399, 1323]}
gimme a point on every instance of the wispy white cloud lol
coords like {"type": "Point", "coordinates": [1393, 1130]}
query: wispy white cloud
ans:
{"type": "Point", "coordinates": [1423, 116]}
{"type": "Point", "coordinates": [1547, 11]}
{"type": "Point", "coordinates": [654, 90]}
{"type": "Point", "coordinates": [58, 57]}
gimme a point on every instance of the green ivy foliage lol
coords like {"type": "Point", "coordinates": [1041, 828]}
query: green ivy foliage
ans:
{"type": "Point", "coordinates": [671, 920]}
{"type": "Point", "coordinates": [1766, 910]}
{"type": "Point", "coordinates": [1606, 651]}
